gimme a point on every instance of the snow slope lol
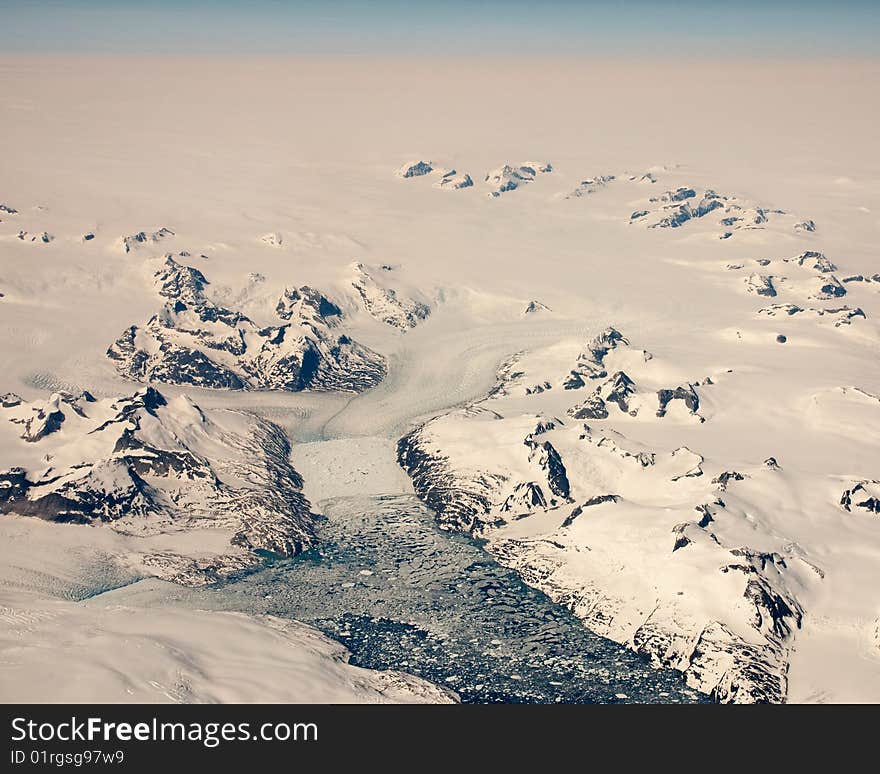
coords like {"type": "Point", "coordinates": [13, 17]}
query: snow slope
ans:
{"type": "Point", "coordinates": [60, 651]}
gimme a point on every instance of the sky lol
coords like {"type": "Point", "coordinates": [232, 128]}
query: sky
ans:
{"type": "Point", "coordinates": [636, 28]}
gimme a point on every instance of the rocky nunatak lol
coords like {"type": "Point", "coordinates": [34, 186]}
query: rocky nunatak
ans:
{"type": "Point", "coordinates": [196, 341]}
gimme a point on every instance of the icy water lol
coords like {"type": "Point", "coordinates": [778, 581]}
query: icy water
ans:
{"type": "Point", "coordinates": [402, 594]}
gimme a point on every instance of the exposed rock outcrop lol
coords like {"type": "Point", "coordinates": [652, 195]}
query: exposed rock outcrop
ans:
{"type": "Point", "coordinates": [415, 169]}
{"type": "Point", "coordinates": [509, 178]}
{"type": "Point", "coordinates": [194, 341]}
{"type": "Point", "coordinates": [141, 238]}
{"type": "Point", "coordinates": [864, 495]}
{"type": "Point", "coordinates": [384, 302]}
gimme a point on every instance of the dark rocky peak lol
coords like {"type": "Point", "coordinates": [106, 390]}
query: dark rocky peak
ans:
{"type": "Point", "coordinates": [761, 560]}
{"type": "Point", "coordinates": [681, 538]}
{"type": "Point", "coordinates": [509, 178]}
{"type": "Point", "coordinates": [128, 409]}
{"type": "Point", "coordinates": [591, 408]}
{"type": "Point", "coordinates": [536, 389]}
{"type": "Point", "coordinates": [812, 259]}
{"type": "Point", "coordinates": [133, 241]}
{"type": "Point", "coordinates": [43, 418]}
{"type": "Point", "coordinates": [384, 302]}
{"type": "Point", "coordinates": [591, 185]}
{"type": "Point", "coordinates": [865, 495]}
{"type": "Point", "coordinates": [454, 180]}
{"type": "Point", "coordinates": [591, 362]}
{"type": "Point", "coordinates": [76, 400]}
{"type": "Point", "coordinates": [574, 381]}
{"type": "Point", "coordinates": [545, 426]}
{"type": "Point", "coordinates": [680, 194]}
{"type": "Point", "coordinates": [708, 204]}
{"type": "Point", "coordinates": [773, 609]}
{"type": "Point", "coordinates": [829, 288]}
{"type": "Point", "coordinates": [761, 284]}
{"type": "Point", "coordinates": [776, 609]}
{"type": "Point", "coordinates": [525, 498]}
{"type": "Point", "coordinates": [143, 466]}
{"type": "Point", "coordinates": [100, 492]}
{"type": "Point", "coordinates": [46, 421]}
{"type": "Point", "coordinates": [706, 515]}
{"type": "Point", "coordinates": [415, 169]}
{"type": "Point", "coordinates": [180, 283]}
{"type": "Point", "coordinates": [148, 460]}
{"type": "Point", "coordinates": [599, 180]}
{"type": "Point", "coordinates": [535, 306]}
{"type": "Point", "coordinates": [550, 461]}
{"type": "Point", "coordinates": [306, 303]}
{"type": "Point", "coordinates": [149, 399]}
{"type": "Point", "coordinates": [619, 389]}
{"type": "Point", "coordinates": [687, 394]}
{"type": "Point", "coordinates": [193, 340]}
{"type": "Point", "coordinates": [604, 342]}
{"type": "Point", "coordinates": [723, 479]}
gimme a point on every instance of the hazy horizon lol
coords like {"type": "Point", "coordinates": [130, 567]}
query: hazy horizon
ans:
{"type": "Point", "coordinates": [680, 29]}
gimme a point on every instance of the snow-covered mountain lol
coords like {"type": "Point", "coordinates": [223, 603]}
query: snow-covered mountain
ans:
{"type": "Point", "coordinates": [143, 238]}
{"type": "Point", "coordinates": [453, 180]}
{"type": "Point", "coordinates": [809, 278]}
{"type": "Point", "coordinates": [510, 177]}
{"type": "Point", "coordinates": [193, 340]}
{"type": "Point", "coordinates": [146, 465]}
{"type": "Point", "coordinates": [507, 177]}
{"type": "Point", "coordinates": [450, 179]}
{"type": "Point", "coordinates": [384, 299]}
{"type": "Point", "coordinates": [677, 207]}
{"type": "Point", "coordinates": [591, 185]}
{"type": "Point", "coordinates": [415, 169]}
{"type": "Point", "coordinates": [641, 541]}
